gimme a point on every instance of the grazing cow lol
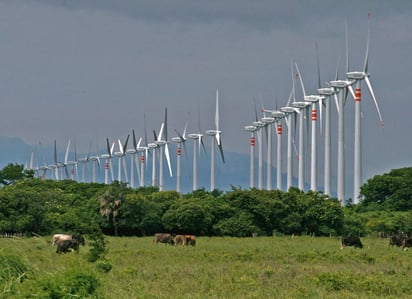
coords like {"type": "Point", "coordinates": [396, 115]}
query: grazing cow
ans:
{"type": "Point", "coordinates": [163, 238]}
{"type": "Point", "coordinates": [180, 240]}
{"type": "Point", "coordinates": [190, 240]}
{"type": "Point", "coordinates": [396, 240]}
{"type": "Point", "coordinates": [58, 237]}
{"type": "Point", "coordinates": [407, 242]}
{"type": "Point", "coordinates": [351, 241]}
{"type": "Point", "coordinates": [64, 246]}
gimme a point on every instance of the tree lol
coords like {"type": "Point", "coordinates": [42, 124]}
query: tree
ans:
{"type": "Point", "coordinates": [110, 203]}
{"type": "Point", "coordinates": [14, 172]}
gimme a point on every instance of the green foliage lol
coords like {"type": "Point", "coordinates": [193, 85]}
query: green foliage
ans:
{"type": "Point", "coordinates": [98, 249]}
{"type": "Point", "coordinates": [390, 191]}
{"type": "Point", "coordinates": [14, 172]}
{"type": "Point", "coordinates": [73, 283]}
{"type": "Point", "coordinates": [13, 271]}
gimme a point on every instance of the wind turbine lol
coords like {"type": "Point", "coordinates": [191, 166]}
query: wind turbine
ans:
{"type": "Point", "coordinates": [341, 90]}
{"type": "Point", "coordinates": [268, 121]}
{"type": "Point", "coordinates": [252, 130]}
{"type": "Point", "coordinates": [163, 149]}
{"type": "Point", "coordinates": [197, 143]}
{"type": "Point", "coordinates": [180, 139]}
{"type": "Point", "coordinates": [312, 100]}
{"type": "Point", "coordinates": [95, 161]}
{"type": "Point", "coordinates": [326, 93]}
{"type": "Point", "coordinates": [120, 154]}
{"type": "Point", "coordinates": [301, 106]}
{"type": "Point", "coordinates": [108, 164]}
{"type": "Point", "coordinates": [72, 163]}
{"type": "Point", "coordinates": [357, 77]}
{"type": "Point", "coordinates": [216, 139]}
{"type": "Point", "coordinates": [259, 125]}
{"type": "Point", "coordinates": [290, 112]}
{"type": "Point", "coordinates": [134, 159]}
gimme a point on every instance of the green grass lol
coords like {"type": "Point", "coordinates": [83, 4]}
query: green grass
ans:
{"type": "Point", "coordinates": [263, 267]}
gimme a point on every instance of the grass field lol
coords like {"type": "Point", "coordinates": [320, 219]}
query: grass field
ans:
{"type": "Point", "coordinates": [262, 267]}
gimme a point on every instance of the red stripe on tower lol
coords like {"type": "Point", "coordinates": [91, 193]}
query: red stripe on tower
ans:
{"type": "Point", "coordinates": [279, 129]}
{"type": "Point", "coordinates": [314, 114]}
{"type": "Point", "coordinates": [179, 151]}
{"type": "Point", "coordinates": [142, 159]}
{"type": "Point", "coordinates": [357, 95]}
{"type": "Point", "coordinates": [252, 141]}
{"type": "Point", "coordinates": [106, 165]}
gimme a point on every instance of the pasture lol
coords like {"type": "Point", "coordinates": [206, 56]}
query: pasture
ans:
{"type": "Point", "coordinates": [262, 267]}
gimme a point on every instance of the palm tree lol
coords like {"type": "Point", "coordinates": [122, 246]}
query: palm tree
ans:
{"type": "Point", "coordinates": [110, 203]}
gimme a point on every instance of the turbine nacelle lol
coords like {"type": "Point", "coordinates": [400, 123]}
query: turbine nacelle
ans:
{"type": "Point", "coordinates": [327, 91]}
{"type": "Point", "coordinates": [289, 110]}
{"type": "Point", "coordinates": [251, 128]}
{"type": "Point", "coordinates": [177, 139]}
{"type": "Point", "coordinates": [258, 124]}
{"type": "Point", "coordinates": [299, 105]}
{"type": "Point", "coordinates": [277, 114]}
{"type": "Point", "coordinates": [103, 156]}
{"type": "Point", "coordinates": [212, 132]}
{"type": "Point", "coordinates": [313, 98]}
{"type": "Point", "coordinates": [152, 145]}
{"type": "Point", "coordinates": [356, 75]}
{"type": "Point", "coordinates": [268, 120]}
{"type": "Point", "coordinates": [194, 136]}
{"type": "Point", "coordinates": [340, 83]}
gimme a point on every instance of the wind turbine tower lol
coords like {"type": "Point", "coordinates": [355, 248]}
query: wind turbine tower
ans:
{"type": "Point", "coordinates": [357, 77]}
{"type": "Point", "coordinates": [252, 130]}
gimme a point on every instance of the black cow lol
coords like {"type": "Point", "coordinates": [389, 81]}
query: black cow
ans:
{"type": "Point", "coordinates": [407, 242]}
{"type": "Point", "coordinates": [64, 246]}
{"type": "Point", "coordinates": [351, 241]}
{"type": "Point", "coordinates": [164, 238]}
{"type": "Point", "coordinates": [396, 240]}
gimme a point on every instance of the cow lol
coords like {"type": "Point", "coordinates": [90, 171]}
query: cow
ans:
{"type": "Point", "coordinates": [351, 241]}
{"type": "Point", "coordinates": [190, 240]}
{"type": "Point", "coordinates": [407, 242]}
{"type": "Point", "coordinates": [64, 246]}
{"type": "Point", "coordinates": [396, 240]}
{"type": "Point", "coordinates": [58, 237]}
{"type": "Point", "coordinates": [164, 238]}
{"type": "Point", "coordinates": [180, 240]}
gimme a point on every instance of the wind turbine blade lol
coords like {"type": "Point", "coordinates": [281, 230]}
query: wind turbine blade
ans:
{"type": "Point", "coordinates": [66, 156]}
{"type": "Point", "coordinates": [293, 84]}
{"type": "Point", "coordinates": [184, 131]}
{"type": "Point", "coordinates": [203, 144]}
{"type": "Point", "coordinates": [125, 144]}
{"type": "Point", "coordinates": [154, 135]}
{"type": "Point", "coordinates": [256, 114]}
{"type": "Point", "coordinates": [320, 103]}
{"type": "Point", "coordinates": [112, 148]}
{"type": "Point", "coordinates": [300, 79]}
{"type": "Point", "coordinates": [167, 154]}
{"type": "Point", "coordinates": [365, 67]}
{"type": "Point", "coordinates": [217, 110]}
{"type": "Point", "coordinates": [90, 149]}
{"type": "Point", "coordinates": [337, 70]}
{"type": "Point", "coordinates": [165, 125]}
{"type": "Point", "coordinates": [111, 169]}
{"type": "Point", "coordinates": [161, 132]}
{"type": "Point", "coordinates": [134, 140]}
{"type": "Point", "coordinates": [125, 170]}
{"type": "Point", "coordinates": [220, 146]}
{"type": "Point", "coordinates": [347, 46]}
{"type": "Point", "coordinates": [120, 146]}
{"type": "Point", "coordinates": [351, 91]}
{"type": "Point", "coordinates": [335, 96]}
{"type": "Point", "coordinates": [108, 147]}
{"type": "Point", "coordinates": [317, 63]}
{"type": "Point", "coordinates": [55, 153]}
{"type": "Point", "coordinates": [138, 143]}
{"type": "Point", "coordinates": [145, 130]}
{"type": "Point", "coordinates": [368, 83]}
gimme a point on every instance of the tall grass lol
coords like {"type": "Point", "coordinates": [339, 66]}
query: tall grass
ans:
{"type": "Point", "coordinates": [263, 267]}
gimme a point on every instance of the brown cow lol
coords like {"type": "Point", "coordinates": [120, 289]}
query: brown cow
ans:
{"type": "Point", "coordinates": [190, 240]}
{"type": "Point", "coordinates": [180, 240]}
{"type": "Point", "coordinates": [351, 241]}
{"type": "Point", "coordinates": [163, 238]}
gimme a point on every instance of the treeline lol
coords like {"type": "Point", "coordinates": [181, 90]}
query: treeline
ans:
{"type": "Point", "coordinates": [31, 205]}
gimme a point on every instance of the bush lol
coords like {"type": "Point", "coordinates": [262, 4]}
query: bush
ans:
{"type": "Point", "coordinates": [12, 272]}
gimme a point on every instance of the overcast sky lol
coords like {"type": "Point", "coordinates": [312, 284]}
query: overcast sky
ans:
{"type": "Point", "coordinates": [84, 69]}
